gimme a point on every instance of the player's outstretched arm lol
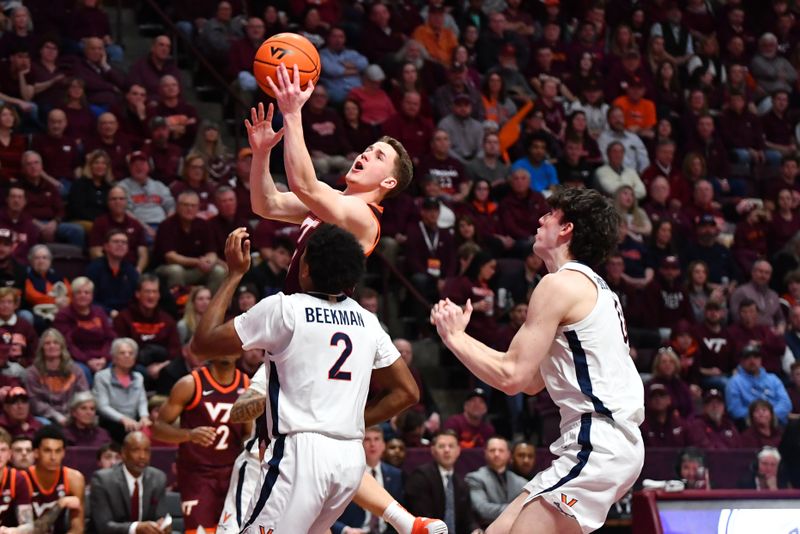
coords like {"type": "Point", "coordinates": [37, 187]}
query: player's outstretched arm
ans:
{"type": "Point", "coordinates": [328, 204]}
{"type": "Point", "coordinates": [509, 371]}
{"type": "Point", "coordinates": [265, 199]}
{"type": "Point", "coordinates": [403, 393]}
{"type": "Point", "coordinates": [215, 338]}
{"type": "Point", "coordinates": [164, 428]}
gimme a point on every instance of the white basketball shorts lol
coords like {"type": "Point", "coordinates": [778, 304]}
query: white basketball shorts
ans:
{"type": "Point", "coordinates": [243, 484]}
{"type": "Point", "coordinates": [306, 482]}
{"type": "Point", "coordinates": [597, 464]}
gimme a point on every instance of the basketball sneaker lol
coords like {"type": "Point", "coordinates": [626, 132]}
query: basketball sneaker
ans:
{"type": "Point", "coordinates": [423, 525]}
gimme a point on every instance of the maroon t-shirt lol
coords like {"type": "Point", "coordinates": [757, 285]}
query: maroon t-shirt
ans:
{"type": "Point", "coordinates": [44, 200]}
{"type": "Point", "coordinates": [132, 228]}
{"type": "Point", "coordinates": [670, 433]}
{"type": "Point", "coordinates": [24, 232]}
{"type": "Point", "coordinates": [469, 435]}
{"type": "Point", "coordinates": [705, 433]}
{"type": "Point", "coordinates": [448, 172]}
{"type": "Point", "coordinates": [205, 191]}
{"type": "Point", "coordinates": [171, 237]}
{"type": "Point", "coordinates": [15, 491]}
{"type": "Point", "coordinates": [716, 349]}
{"type": "Point", "coordinates": [26, 428]}
{"type": "Point", "coordinates": [59, 155]}
{"type": "Point", "coordinates": [210, 406]}
{"type": "Point", "coordinates": [166, 161]}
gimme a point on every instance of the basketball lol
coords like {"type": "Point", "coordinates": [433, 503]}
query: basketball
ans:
{"type": "Point", "coordinates": [290, 49]}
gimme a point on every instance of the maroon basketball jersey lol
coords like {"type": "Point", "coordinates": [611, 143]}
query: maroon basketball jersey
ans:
{"type": "Point", "coordinates": [211, 406]}
{"type": "Point", "coordinates": [43, 499]}
{"type": "Point", "coordinates": [309, 226]}
{"type": "Point", "coordinates": [15, 491]}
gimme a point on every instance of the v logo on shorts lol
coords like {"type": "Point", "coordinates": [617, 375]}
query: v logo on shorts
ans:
{"type": "Point", "coordinates": [569, 502]}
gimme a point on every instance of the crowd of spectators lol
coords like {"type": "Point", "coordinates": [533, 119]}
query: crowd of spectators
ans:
{"type": "Point", "coordinates": [684, 115]}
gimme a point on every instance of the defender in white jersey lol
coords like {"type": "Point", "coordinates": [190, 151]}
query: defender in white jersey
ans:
{"type": "Point", "coordinates": [321, 349]}
{"type": "Point", "coordinates": [247, 468]}
{"type": "Point", "coordinates": [574, 342]}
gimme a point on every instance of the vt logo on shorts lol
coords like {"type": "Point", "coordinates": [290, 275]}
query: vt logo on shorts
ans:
{"type": "Point", "coordinates": [569, 502]}
{"type": "Point", "coordinates": [262, 530]}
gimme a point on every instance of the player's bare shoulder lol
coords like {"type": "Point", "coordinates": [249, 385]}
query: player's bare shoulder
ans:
{"type": "Point", "coordinates": [569, 293]}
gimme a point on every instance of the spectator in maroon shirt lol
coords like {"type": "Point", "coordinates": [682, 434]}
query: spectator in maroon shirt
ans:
{"type": "Point", "coordinates": [471, 426]}
{"type": "Point", "coordinates": [703, 203]}
{"type": "Point", "coordinates": [663, 164]}
{"type": "Point", "coordinates": [746, 330]}
{"type": "Point", "coordinates": [660, 206]}
{"type": "Point", "coordinates": [47, 76]}
{"type": "Point", "coordinates": [15, 89]}
{"type": "Point", "coordinates": [378, 36]}
{"type": "Point", "coordinates": [331, 153]}
{"type": "Point", "coordinates": [195, 178]}
{"type": "Point", "coordinates": [750, 238]}
{"type": "Point", "coordinates": [430, 252]}
{"type": "Point", "coordinates": [185, 249]}
{"type": "Point", "coordinates": [446, 170]}
{"type": "Point", "coordinates": [708, 143]}
{"type": "Point", "coordinates": [45, 205]}
{"type": "Point", "coordinates": [153, 329]}
{"type": "Point", "coordinates": [785, 222]}
{"type": "Point", "coordinates": [80, 119]}
{"type": "Point", "coordinates": [713, 429]}
{"type": "Point", "coordinates": [244, 160]}
{"type": "Point", "coordinates": [86, 329]}
{"type": "Point", "coordinates": [88, 21]}
{"type": "Point", "coordinates": [81, 429]}
{"type": "Point", "coordinates": [113, 142]}
{"type": "Point", "coordinates": [778, 127]}
{"type": "Point", "coordinates": [87, 197]}
{"type": "Point", "coordinates": [180, 115]}
{"type": "Point", "coordinates": [793, 389]}
{"type": "Point", "coordinates": [226, 220]}
{"type": "Point", "coordinates": [19, 35]}
{"type": "Point", "coordinates": [786, 179]}
{"type": "Point", "coordinates": [210, 145]}
{"type": "Point", "coordinates": [520, 211]}
{"type": "Point", "coordinates": [666, 370]}
{"type": "Point", "coordinates": [662, 426]}
{"type": "Point", "coordinates": [741, 133]}
{"type": "Point", "coordinates": [148, 70]}
{"type": "Point", "coordinates": [59, 152]}
{"type": "Point", "coordinates": [104, 84]}
{"type": "Point", "coordinates": [118, 218]}
{"type": "Point", "coordinates": [23, 337]}
{"type": "Point", "coordinates": [165, 155]}
{"type": "Point", "coordinates": [12, 144]}
{"type": "Point", "coordinates": [17, 418]}
{"type": "Point", "coordinates": [763, 429]}
{"type": "Point", "coordinates": [666, 299]}
{"type": "Point", "coordinates": [241, 54]}
{"type": "Point", "coordinates": [476, 284]}
{"type": "Point", "coordinates": [717, 357]}
{"type": "Point", "coordinates": [132, 115]}
{"type": "Point", "coordinates": [16, 219]}
{"type": "Point", "coordinates": [411, 128]}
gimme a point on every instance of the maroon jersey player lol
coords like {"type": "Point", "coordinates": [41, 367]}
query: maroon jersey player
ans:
{"type": "Point", "coordinates": [208, 443]}
{"type": "Point", "coordinates": [54, 487]}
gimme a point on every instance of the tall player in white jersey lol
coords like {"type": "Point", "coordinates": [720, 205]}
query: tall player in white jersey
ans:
{"type": "Point", "coordinates": [574, 343]}
{"type": "Point", "coordinates": [321, 349]}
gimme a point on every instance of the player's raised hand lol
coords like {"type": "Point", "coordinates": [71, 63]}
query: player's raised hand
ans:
{"type": "Point", "coordinates": [449, 318]}
{"type": "Point", "coordinates": [287, 89]}
{"type": "Point", "coordinates": [237, 252]}
{"type": "Point", "coordinates": [203, 435]}
{"type": "Point", "coordinates": [260, 133]}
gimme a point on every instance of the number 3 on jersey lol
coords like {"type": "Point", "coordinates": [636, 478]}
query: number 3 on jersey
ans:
{"type": "Point", "coordinates": [335, 372]}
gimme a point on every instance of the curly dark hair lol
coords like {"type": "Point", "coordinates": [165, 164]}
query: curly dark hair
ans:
{"type": "Point", "coordinates": [595, 223]}
{"type": "Point", "coordinates": [335, 259]}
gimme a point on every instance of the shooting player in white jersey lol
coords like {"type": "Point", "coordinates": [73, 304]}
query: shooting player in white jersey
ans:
{"type": "Point", "coordinates": [321, 348]}
{"type": "Point", "coordinates": [574, 342]}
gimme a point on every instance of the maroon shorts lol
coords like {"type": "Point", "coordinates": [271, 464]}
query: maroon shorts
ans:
{"type": "Point", "coordinates": [203, 490]}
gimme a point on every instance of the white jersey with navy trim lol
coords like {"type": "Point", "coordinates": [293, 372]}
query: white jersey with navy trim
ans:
{"type": "Point", "coordinates": [320, 353]}
{"type": "Point", "coordinates": [590, 369]}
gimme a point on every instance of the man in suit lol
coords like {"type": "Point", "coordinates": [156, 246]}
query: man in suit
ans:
{"type": "Point", "coordinates": [130, 497]}
{"type": "Point", "coordinates": [435, 490]}
{"type": "Point", "coordinates": [356, 520]}
{"type": "Point", "coordinates": [493, 486]}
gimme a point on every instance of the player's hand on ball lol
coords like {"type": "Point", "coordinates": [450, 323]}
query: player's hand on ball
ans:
{"type": "Point", "coordinates": [202, 435]}
{"type": "Point", "coordinates": [259, 129]}
{"type": "Point", "coordinates": [449, 318]}
{"type": "Point", "coordinates": [237, 252]}
{"type": "Point", "coordinates": [287, 89]}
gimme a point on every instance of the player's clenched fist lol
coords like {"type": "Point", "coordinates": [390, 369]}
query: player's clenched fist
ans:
{"type": "Point", "coordinates": [449, 318]}
{"type": "Point", "coordinates": [202, 435]}
{"type": "Point", "coordinates": [237, 252]}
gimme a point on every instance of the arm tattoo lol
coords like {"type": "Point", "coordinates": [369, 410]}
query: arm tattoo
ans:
{"type": "Point", "coordinates": [247, 407]}
{"type": "Point", "coordinates": [46, 521]}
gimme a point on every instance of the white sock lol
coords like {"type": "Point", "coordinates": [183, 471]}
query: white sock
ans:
{"type": "Point", "coordinates": [399, 518]}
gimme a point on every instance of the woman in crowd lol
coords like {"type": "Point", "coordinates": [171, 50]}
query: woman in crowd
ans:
{"type": "Point", "coordinates": [86, 329]}
{"type": "Point", "coordinates": [667, 371]}
{"type": "Point", "coordinates": [700, 290]}
{"type": "Point", "coordinates": [88, 196]}
{"type": "Point", "coordinates": [358, 133]}
{"type": "Point", "coordinates": [497, 106]}
{"type": "Point", "coordinates": [81, 429]}
{"type": "Point", "coordinates": [669, 95]}
{"type": "Point", "coordinates": [661, 243]}
{"type": "Point", "coordinates": [784, 224]}
{"type": "Point", "coordinates": [578, 129]}
{"type": "Point", "coordinates": [209, 145]}
{"type": "Point", "coordinates": [483, 212]}
{"type": "Point", "coordinates": [53, 379]}
{"type": "Point", "coordinates": [80, 120]}
{"type": "Point", "coordinates": [764, 429]}
{"type": "Point", "coordinates": [195, 178]}
{"type": "Point", "coordinates": [47, 76]}
{"type": "Point", "coordinates": [407, 79]}
{"type": "Point", "coordinates": [196, 306]}
{"type": "Point", "coordinates": [19, 323]}
{"type": "Point", "coordinates": [639, 225]}
{"type": "Point", "coordinates": [120, 391]}
{"type": "Point", "coordinates": [46, 291]}
{"type": "Point", "coordinates": [12, 144]}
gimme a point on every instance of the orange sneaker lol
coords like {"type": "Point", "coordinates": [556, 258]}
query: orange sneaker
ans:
{"type": "Point", "coordinates": [423, 525]}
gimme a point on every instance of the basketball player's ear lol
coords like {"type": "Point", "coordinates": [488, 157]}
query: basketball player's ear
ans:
{"type": "Point", "coordinates": [567, 228]}
{"type": "Point", "coordinates": [390, 182]}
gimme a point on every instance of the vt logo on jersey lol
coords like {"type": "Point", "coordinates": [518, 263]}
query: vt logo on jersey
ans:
{"type": "Point", "coordinates": [215, 409]}
{"type": "Point", "coordinates": [41, 508]}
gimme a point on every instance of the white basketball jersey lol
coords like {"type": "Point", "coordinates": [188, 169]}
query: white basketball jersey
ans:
{"type": "Point", "coordinates": [320, 356]}
{"type": "Point", "coordinates": [590, 369]}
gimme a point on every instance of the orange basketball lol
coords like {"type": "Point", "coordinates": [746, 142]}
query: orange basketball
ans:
{"type": "Point", "coordinates": [290, 49]}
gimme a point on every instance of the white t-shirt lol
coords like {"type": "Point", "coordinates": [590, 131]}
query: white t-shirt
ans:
{"type": "Point", "coordinates": [320, 354]}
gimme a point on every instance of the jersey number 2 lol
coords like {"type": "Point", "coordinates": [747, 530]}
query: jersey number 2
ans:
{"type": "Point", "coordinates": [335, 372]}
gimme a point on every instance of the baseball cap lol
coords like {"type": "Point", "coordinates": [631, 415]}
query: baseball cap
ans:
{"type": "Point", "coordinates": [477, 392]}
{"type": "Point", "coordinates": [6, 235]}
{"type": "Point", "coordinates": [657, 389]}
{"type": "Point", "coordinates": [706, 219]}
{"type": "Point", "coordinates": [430, 203]}
{"type": "Point", "coordinates": [751, 349]}
{"type": "Point", "coordinates": [16, 392]}
{"type": "Point", "coordinates": [136, 155]}
{"type": "Point", "coordinates": [244, 153]}
{"type": "Point", "coordinates": [670, 262]}
{"type": "Point", "coordinates": [158, 122]}
{"type": "Point", "coordinates": [374, 73]}
{"type": "Point", "coordinates": [712, 394]}
{"type": "Point", "coordinates": [247, 288]}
